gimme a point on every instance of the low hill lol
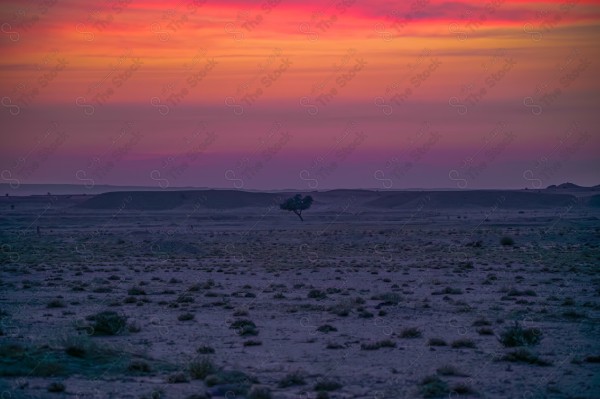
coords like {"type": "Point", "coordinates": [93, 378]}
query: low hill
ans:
{"type": "Point", "coordinates": [165, 200]}
{"type": "Point", "coordinates": [232, 199]}
{"type": "Point", "coordinates": [477, 198]}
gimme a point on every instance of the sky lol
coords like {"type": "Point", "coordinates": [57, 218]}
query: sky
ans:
{"type": "Point", "coordinates": [311, 94]}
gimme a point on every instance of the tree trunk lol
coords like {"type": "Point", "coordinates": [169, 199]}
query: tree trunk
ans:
{"type": "Point", "coordinates": [299, 215]}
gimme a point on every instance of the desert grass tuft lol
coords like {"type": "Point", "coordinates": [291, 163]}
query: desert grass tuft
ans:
{"type": "Point", "coordinates": [202, 367]}
{"type": "Point", "coordinates": [519, 336]}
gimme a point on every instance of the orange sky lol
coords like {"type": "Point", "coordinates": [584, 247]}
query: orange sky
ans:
{"type": "Point", "coordinates": [459, 67]}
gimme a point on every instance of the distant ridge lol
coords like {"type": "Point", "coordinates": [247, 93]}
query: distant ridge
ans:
{"type": "Point", "coordinates": [233, 199]}
{"type": "Point", "coordinates": [479, 198]}
{"type": "Point", "coordinates": [165, 200]}
{"type": "Point", "coordinates": [76, 189]}
{"type": "Point", "coordinates": [82, 189]}
{"type": "Point", "coordinates": [572, 187]}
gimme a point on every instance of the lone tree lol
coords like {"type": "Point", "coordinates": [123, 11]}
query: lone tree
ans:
{"type": "Point", "coordinates": [297, 204]}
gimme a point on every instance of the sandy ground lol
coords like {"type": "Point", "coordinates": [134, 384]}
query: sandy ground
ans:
{"type": "Point", "coordinates": [351, 296]}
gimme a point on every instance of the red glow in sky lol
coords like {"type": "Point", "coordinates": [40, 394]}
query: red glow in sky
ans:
{"type": "Point", "coordinates": [281, 94]}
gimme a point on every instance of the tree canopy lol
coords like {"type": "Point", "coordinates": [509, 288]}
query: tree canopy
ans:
{"type": "Point", "coordinates": [297, 204]}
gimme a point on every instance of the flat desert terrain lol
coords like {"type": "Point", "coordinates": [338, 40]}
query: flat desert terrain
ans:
{"type": "Point", "coordinates": [199, 294]}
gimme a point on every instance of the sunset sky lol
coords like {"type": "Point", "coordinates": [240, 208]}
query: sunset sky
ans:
{"type": "Point", "coordinates": [300, 94]}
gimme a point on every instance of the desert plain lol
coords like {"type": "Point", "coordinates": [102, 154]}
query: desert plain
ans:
{"type": "Point", "coordinates": [219, 293]}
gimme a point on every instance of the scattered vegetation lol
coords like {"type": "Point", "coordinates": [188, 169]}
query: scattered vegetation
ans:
{"type": "Point", "coordinates": [134, 327]}
{"type": "Point", "coordinates": [317, 294]}
{"type": "Point", "coordinates": [568, 302]}
{"type": "Point", "coordinates": [462, 389]}
{"type": "Point", "coordinates": [571, 314]}
{"type": "Point", "coordinates": [244, 327]}
{"type": "Point", "coordinates": [237, 382]}
{"type": "Point", "coordinates": [185, 298]}
{"type": "Point", "coordinates": [240, 313]}
{"type": "Point", "coordinates": [334, 345]}
{"type": "Point", "coordinates": [519, 336]}
{"type": "Point", "coordinates": [463, 343]}
{"type": "Point", "coordinates": [434, 387]}
{"type": "Point", "coordinates": [437, 342]}
{"type": "Point", "coordinates": [327, 385]}
{"type": "Point", "coordinates": [292, 379]}
{"type": "Point", "coordinates": [197, 396]}
{"type": "Point", "coordinates": [550, 295]}
{"type": "Point", "coordinates": [134, 291]}
{"type": "Point", "coordinates": [523, 355]}
{"type": "Point", "coordinates": [73, 355]}
{"type": "Point", "coordinates": [202, 367]}
{"type": "Point", "coordinates": [341, 309]}
{"type": "Point", "coordinates": [507, 241]}
{"type": "Point", "coordinates": [55, 303]}
{"type": "Point", "coordinates": [84, 348]}
{"type": "Point", "coordinates": [56, 387]}
{"type": "Point", "coordinates": [258, 392]}
{"type": "Point", "coordinates": [185, 317]}
{"type": "Point", "coordinates": [449, 370]}
{"type": "Point", "coordinates": [481, 322]}
{"type": "Point", "coordinates": [388, 298]}
{"type": "Point", "coordinates": [177, 378]}
{"type": "Point", "coordinates": [411, 332]}
{"type": "Point", "coordinates": [326, 328]}
{"type": "Point", "coordinates": [378, 345]}
{"type": "Point", "coordinates": [448, 291]}
{"type": "Point", "coordinates": [108, 323]}
{"type": "Point", "coordinates": [516, 292]}
{"type": "Point", "coordinates": [138, 366]}
{"type": "Point", "coordinates": [485, 331]}
{"type": "Point", "coordinates": [205, 350]}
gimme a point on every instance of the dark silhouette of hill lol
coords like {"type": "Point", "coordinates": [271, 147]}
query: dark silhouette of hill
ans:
{"type": "Point", "coordinates": [565, 186]}
{"type": "Point", "coordinates": [164, 200]}
{"type": "Point", "coordinates": [571, 187]}
{"type": "Point", "coordinates": [232, 199]}
{"type": "Point", "coordinates": [470, 199]}
{"type": "Point", "coordinates": [78, 189]}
